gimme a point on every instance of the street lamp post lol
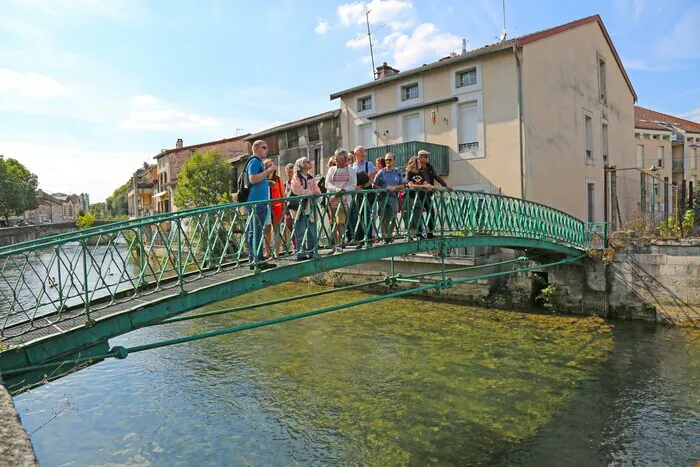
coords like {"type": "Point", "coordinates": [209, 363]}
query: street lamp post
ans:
{"type": "Point", "coordinates": [653, 169]}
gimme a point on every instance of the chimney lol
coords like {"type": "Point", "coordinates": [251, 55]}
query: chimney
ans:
{"type": "Point", "coordinates": [178, 143]}
{"type": "Point", "coordinates": [464, 46]}
{"type": "Point", "coordinates": [384, 71]}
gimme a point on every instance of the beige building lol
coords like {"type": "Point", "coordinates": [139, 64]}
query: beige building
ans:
{"type": "Point", "coordinates": [535, 117]}
{"type": "Point", "coordinates": [140, 199]}
{"type": "Point", "coordinates": [677, 139]}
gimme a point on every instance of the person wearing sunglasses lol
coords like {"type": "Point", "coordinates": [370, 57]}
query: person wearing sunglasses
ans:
{"type": "Point", "coordinates": [257, 178]}
{"type": "Point", "coordinates": [389, 179]}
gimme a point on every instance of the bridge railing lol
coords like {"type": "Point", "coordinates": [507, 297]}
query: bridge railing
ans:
{"type": "Point", "coordinates": [47, 281]}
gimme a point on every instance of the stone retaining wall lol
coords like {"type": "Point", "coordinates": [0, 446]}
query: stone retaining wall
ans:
{"type": "Point", "coordinates": [15, 448]}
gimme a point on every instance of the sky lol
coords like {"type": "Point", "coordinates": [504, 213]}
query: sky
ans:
{"type": "Point", "coordinates": [92, 89]}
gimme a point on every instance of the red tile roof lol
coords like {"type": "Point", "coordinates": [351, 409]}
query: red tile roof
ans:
{"type": "Point", "coordinates": [200, 145]}
{"type": "Point", "coordinates": [650, 117]}
{"type": "Point", "coordinates": [519, 41]}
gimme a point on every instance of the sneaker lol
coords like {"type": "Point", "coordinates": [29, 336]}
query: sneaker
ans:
{"type": "Point", "coordinates": [429, 235]}
{"type": "Point", "coordinates": [338, 249]}
{"type": "Point", "coordinates": [265, 266]}
{"type": "Point", "coordinates": [302, 258]}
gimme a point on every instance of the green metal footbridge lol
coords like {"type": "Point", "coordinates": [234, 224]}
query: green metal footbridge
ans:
{"type": "Point", "coordinates": [62, 298]}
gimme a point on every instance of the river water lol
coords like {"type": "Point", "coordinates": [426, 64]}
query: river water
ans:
{"type": "Point", "coordinates": [399, 382]}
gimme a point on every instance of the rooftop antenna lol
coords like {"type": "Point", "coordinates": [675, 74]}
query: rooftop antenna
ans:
{"type": "Point", "coordinates": [239, 129]}
{"type": "Point", "coordinates": [371, 52]}
{"type": "Point", "coordinates": [503, 32]}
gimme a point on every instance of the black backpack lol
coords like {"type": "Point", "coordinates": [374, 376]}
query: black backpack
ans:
{"type": "Point", "coordinates": [243, 188]}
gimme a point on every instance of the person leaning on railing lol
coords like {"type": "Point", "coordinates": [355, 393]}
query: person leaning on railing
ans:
{"type": "Point", "coordinates": [416, 199]}
{"type": "Point", "coordinates": [303, 183]}
{"type": "Point", "coordinates": [365, 178]}
{"type": "Point", "coordinates": [292, 205]}
{"type": "Point", "coordinates": [431, 177]}
{"type": "Point", "coordinates": [390, 179]}
{"type": "Point", "coordinates": [341, 179]}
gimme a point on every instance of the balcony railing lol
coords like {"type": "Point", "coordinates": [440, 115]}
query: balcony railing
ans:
{"type": "Point", "coordinates": [439, 155]}
{"type": "Point", "coordinates": [677, 165]}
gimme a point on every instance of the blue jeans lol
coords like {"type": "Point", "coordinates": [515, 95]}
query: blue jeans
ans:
{"type": "Point", "coordinates": [304, 226]}
{"type": "Point", "coordinates": [256, 230]}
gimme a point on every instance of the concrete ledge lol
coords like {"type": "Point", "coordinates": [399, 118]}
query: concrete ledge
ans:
{"type": "Point", "coordinates": [15, 447]}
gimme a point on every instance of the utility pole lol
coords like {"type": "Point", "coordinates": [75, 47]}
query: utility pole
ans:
{"type": "Point", "coordinates": [371, 51]}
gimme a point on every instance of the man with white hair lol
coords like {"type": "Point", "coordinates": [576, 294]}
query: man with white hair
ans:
{"type": "Point", "coordinates": [256, 178]}
{"type": "Point", "coordinates": [365, 178]}
{"type": "Point", "coordinates": [340, 179]}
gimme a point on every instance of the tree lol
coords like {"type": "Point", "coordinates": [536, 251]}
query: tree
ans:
{"type": "Point", "coordinates": [204, 180]}
{"type": "Point", "coordinates": [117, 204]}
{"type": "Point", "coordinates": [85, 220]}
{"type": "Point", "coordinates": [99, 210]}
{"type": "Point", "coordinates": [17, 188]}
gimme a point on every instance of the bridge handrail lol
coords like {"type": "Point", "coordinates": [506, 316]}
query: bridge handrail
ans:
{"type": "Point", "coordinates": [118, 226]}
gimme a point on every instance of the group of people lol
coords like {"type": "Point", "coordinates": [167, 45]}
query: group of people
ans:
{"type": "Point", "coordinates": [347, 174]}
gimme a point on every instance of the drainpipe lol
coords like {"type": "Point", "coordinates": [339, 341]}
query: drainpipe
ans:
{"type": "Point", "coordinates": [520, 120]}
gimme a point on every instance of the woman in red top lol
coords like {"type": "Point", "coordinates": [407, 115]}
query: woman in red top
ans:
{"type": "Point", "coordinates": [273, 221]}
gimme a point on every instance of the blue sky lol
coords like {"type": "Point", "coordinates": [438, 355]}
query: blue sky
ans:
{"type": "Point", "coordinates": [90, 89]}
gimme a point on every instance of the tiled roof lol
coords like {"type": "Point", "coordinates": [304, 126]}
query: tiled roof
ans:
{"type": "Point", "coordinates": [519, 41]}
{"type": "Point", "coordinates": [200, 145]}
{"type": "Point", "coordinates": [295, 123]}
{"type": "Point", "coordinates": [651, 117]}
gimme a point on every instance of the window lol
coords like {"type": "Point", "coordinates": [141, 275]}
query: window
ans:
{"type": "Point", "coordinates": [364, 103]}
{"type": "Point", "coordinates": [646, 136]}
{"type": "Point", "coordinates": [411, 127]}
{"type": "Point", "coordinates": [604, 136]}
{"type": "Point", "coordinates": [317, 160]}
{"type": "Point", "coordinates": [292, 138]}
{"type": "Point", "coordinates": [589, 138]}
{"type": "Point", "coordinates": [602, 88]}
{"type": "Point", "coordinates": [590, 198]}
{"type": "Point", "coordinates": [313, 132]}
{"type": "Point", "coordinates": [468, 130]}
{"type": "Point", "coordinates": [694, 181]}
{"type": "Point", "coordinates": [235, 179]}
{"type": "Point", "coordinates": [655, 137]}
{"type": "Point", "coordinates": [638, 135]}
{"type": "Point", "coordinates": [466, 78]}
{"type": "Point", "coordinates": [409, 92]}
{"type": "Point", "coordinates": [693, 157]}
{"type": "Point", "coordinates": [640, 156]}
{"type": "Point", "coordinates": [366, 135]}
{"type": "Point", "coordinates": [660, 156]}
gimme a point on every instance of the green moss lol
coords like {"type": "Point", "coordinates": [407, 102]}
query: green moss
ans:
{"type": "Point", "coordinates": [399, 381]}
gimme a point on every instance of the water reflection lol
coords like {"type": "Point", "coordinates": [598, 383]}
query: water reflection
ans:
{"type": "Point", "coordinates": [406, 382]}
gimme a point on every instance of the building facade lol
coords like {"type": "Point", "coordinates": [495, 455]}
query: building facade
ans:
{"type": "Point", "coordinates": [315, 137]}
{"type": "Point", "coordinates": [49, 209]}
{"type": "Point", "coordinates": [170, 162]}
{"type": "Point", "coordinates": [140, 199]}
{"type": "Point", "coordinates": [511, 114]}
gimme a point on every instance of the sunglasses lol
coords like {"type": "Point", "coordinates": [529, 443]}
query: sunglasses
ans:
{"type": "Point", "coordinates": [389, 160]}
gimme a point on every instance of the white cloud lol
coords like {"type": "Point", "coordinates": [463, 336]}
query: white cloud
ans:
{"type": "Point", "coordinates": [382, 11]}
{"type": "Point", "coordinates": [406, 44]}
{"type": "Point", "coordinates": [32, 85]}
{"type": "Point", "coordinates": [693, 115]}
{"type": "Point", "coordinates": [101, 171]}
{"type": "Point", "coordinates": [147, 113]}
{"type": "Point", "coordinates": [322, 27]}
{"type": "Point", "coordinates": [684, 41]}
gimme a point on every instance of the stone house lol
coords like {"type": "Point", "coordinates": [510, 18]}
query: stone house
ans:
{"type": "Point", "coordinates": [140, 199]}
{"type": "Point", "coordinates": [170, 162]}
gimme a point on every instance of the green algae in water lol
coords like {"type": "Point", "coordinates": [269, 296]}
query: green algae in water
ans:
{"type": "Point", "coordinates": [404, 381]}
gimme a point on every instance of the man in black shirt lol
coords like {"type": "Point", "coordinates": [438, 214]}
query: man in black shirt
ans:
{"type": "Point", "coordinates": [430, 176]}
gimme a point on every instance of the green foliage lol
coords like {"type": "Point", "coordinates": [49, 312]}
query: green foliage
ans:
{"type": "Point", "coordinates": [85, 220]}
{"type": "Point", "coordinates": [17, 188]}
{"type": "Point", "coordinates": [204, 180]}
{"type": "Point", "coordinates": [671, 227]}
{"type": "Point", "coordinates": [99, 210]}
{"type": "Point", "coordinates": [117, 205]}
{"type": "Point", "coordinates": [550, 299]}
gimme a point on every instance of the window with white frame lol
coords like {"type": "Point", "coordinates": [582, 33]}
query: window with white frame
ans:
{"type": "Point", "coordinates": [364, 103]}
{"type": "Point", "coordinates": [468, 130]}
{"type": "Point", "coordinates": [693, 158]}
{"type": "Point", "coordinates": [640, 156]}
{"type": "Point", "coordinates": [410, 91]}
{"type": "Point", "coordinates": [602, 86]}
{"type": "Point", "coordinates": [588, 129]}
{"type": "Point", "coordinates": [660, 156]}
{"type": "Point", "coordinates": [366, 135]}
{"type": "Point", "coordinates": [604, 137]}
{"type": "Point", "coordinates": [466, 78]}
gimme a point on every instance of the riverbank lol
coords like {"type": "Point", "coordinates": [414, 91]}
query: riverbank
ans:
{"type": "Point", "coordinates": [15, 447]}
{"type": "Point", "coordinates": [649, 281]}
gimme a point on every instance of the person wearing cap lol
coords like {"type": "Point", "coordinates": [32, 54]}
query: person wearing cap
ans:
{"type": "Point", "coordinates": [430, 176]}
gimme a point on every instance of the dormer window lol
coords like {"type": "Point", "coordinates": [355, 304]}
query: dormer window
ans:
{"type": "Point", "coordinates": [466, 78]}
{"type": "Point", "coordinates": [409, 92]}
{"type": "Point", "coordinates": [364, 103]}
